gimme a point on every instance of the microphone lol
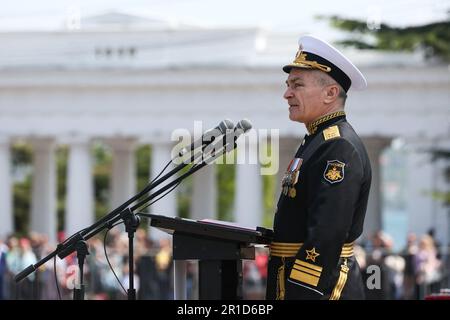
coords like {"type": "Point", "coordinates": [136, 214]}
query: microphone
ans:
{"type": "Point", "coordinates": [242, 127]}
{"type": "Point", "coordinates": [228, 142]}
{"type": "Point", "coordinates": [209, 136]}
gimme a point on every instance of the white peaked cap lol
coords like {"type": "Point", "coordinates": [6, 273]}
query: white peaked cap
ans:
{"type": "Point", "coordinates": [315, 53]}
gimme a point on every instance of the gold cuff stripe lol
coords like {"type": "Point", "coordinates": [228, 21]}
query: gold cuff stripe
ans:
{"type": "Point", "coordinates": [286, 249]}
{"type": "Point", "coordinates": [304, 277]}
{"type": "Point", "coordinates": [308, 265]}
{"type": "Point", "coordinates": [293, 252]}
{"type": "Point", "coordinates": [286, 244]}
{"type": "Point", "coordinates": [312, 272]}
{"type": "Point", "coordinates": [282, 254]}
{"type": "Point", "coordinates": [347, 250]}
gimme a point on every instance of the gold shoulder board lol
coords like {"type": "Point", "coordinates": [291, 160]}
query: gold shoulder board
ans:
{"type": "Point", "coordinates": [331, 132]}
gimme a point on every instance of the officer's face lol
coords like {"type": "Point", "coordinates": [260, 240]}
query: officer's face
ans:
{"type": "Point", "coordinates": [304, 96]}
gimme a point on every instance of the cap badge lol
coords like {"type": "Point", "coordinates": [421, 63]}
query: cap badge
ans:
{"type": "Point", "coordinates": [301, 59]}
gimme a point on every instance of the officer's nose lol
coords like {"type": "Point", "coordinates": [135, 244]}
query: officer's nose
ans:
{"type": "Point", "coordinates": [288, 93]}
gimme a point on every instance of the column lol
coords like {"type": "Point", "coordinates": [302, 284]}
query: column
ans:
{"type": "Point", "coordinates": [248, 195]}
{"type": "Point", "coordinates": [6, 212]}
{"type": "Point", "coordinates": [167, 206]}
{"type": "Point", "coordinates": [43, 196]}
{"type": "Point", "coordinates": [80, 195]}
{"type": "Point", "coordinates": [204, 196]}
{"type": "Point", "coordinates": [373, 219]}
{"type": "Point", "coordinates": [123, 180]}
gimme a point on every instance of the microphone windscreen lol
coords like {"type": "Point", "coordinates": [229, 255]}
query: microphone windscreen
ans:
{"type": "Point", "coordinates": [225, 125]}
{"type": "Point", "coordinates": [244, 125]}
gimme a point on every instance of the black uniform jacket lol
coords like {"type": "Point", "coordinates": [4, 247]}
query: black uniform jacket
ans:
{"type": "Point", "coordinates": [320, 214]}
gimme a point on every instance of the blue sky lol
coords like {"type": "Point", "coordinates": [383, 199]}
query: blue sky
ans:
{"type": "Point", "coordinates": [279, 15]}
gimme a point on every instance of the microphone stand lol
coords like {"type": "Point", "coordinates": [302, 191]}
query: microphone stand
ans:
{"type": "Point", "coordinates": [131, 224]}
{"type": "Point", "coordinates": [122, 212]}
{"type": "Point", "coordinates": [82, 251]}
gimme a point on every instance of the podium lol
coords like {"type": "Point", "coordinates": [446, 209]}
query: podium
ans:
{"type": "Point", "coordinates": [219, 247]}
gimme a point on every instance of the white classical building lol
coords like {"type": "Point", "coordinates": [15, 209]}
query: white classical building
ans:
{"type": "Point", "coordinates": [130, 84]}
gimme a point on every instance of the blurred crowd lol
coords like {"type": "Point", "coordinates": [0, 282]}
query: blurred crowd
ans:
{"type": "Point", "coordinates": [413, 273]}
{"type": "Point", "coordinates": [416, 272]}
{"type": "Point", "coordinates": [152, 263]}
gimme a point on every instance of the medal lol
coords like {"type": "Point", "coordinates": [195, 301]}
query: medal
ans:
{"type": "Point", "coordinates": [296, 171]}
{"type": "Point", "coordinates": [291, 177]}
{"type": "Point", "coordinates": [296, 174]}
{"type": "Point", "coordinates": [292, 192]}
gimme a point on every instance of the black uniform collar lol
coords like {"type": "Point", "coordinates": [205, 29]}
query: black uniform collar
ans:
{"type": "Point", "coordinates": [324, 121]}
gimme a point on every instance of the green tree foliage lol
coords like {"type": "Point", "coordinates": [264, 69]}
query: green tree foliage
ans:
{"type": "Point", "coordinates": [226, 174]}
{"type": "Point", "coordinates": [143, 158]}
{"type": "Point", "coordinates": [184, 195]}
{"type": "Point", "coordinates": [62, 153]}
{"type": "Point", "coordinates": [438, 154]}
{"type": "Point", "coordinates": [269, 186]}
{"type": "Point", "coordinates": [21, 155]}
{"type": "Point", "coordinates": [102, 173]}
{"type": "Point", "coordinates": [432, 38]}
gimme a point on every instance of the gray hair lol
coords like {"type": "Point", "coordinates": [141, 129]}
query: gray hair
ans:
{"type": "Point", "coordinates": [325, 80]}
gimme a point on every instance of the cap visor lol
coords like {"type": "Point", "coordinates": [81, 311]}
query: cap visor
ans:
{"type": "Point", "coordinates": [289, 67]}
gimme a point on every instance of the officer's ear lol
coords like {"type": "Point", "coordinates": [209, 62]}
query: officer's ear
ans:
{"type": "Point", "coordinates": [331, 93]}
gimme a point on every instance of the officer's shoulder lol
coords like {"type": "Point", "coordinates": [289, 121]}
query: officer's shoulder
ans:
{"type": "Point", "coordinates": [338, 132]}
{"type": "Point", "coordinates": [341, 139]}
{"type": "Point", "coordinates": [338, 135]}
